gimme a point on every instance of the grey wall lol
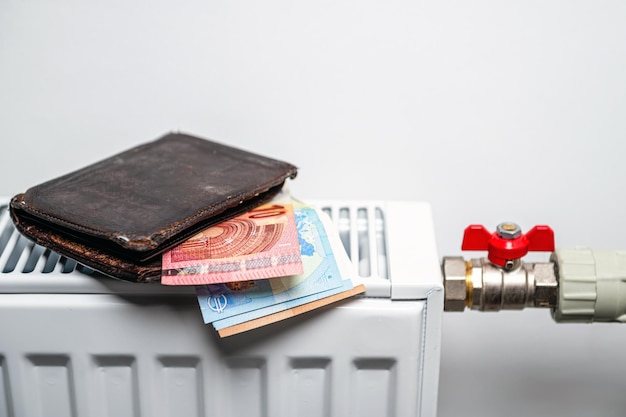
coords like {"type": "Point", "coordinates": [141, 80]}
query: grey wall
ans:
{"type": "Point", "coordinates": [489, 110]}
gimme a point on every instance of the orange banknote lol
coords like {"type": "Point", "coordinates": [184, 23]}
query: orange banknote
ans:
{"type": "Point", "coordinates": [262, 243]}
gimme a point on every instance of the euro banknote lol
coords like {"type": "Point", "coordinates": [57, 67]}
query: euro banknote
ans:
{"type": "Point", "coordinates": [261, 243]}
{"type": "Point", "coordinates": [320, 241]}
{"type": "Point", "coordinates": [320, 273]}
{"type": "Point", "coordinates": [291, 312]}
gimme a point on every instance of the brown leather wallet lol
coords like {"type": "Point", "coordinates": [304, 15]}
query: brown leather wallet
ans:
{"type": "Point", "coordinates": [118, 215]}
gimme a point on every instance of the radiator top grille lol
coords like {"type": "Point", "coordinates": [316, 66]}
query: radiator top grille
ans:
{"type": "Point", "coordinates": [361, 229]}
{"type": "Point", "coordinates": [20, 255]}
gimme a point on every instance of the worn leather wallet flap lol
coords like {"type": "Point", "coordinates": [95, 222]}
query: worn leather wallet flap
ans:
{"type": "Point", "coordinates": [119, 214]}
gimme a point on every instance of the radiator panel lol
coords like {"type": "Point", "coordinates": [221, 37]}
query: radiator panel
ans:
{"type": "Point", "coordinates": [145, 357]}
{"type": "Point", "coordinates": [77, 343]}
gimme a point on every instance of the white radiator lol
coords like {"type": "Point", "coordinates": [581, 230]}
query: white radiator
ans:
{"type": "Point", "coordinates": [76, 343]}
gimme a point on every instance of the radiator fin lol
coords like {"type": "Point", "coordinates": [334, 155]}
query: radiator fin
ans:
{"type": "Point", "coordinates": [361, 229]}
{"type": "Point", "coordinates": [53, 390]}
{"type": "Point", "coordinates": [117, 386]}
{"type": "Point", "coordinates": [374, 387]}
{"type": "Point", "coordinates": [247, 382]}
{"type": "Point", "coordinates": [309, 388]}
{"type": "Point", "coordinates": [6, 408]}
{"type": "Point", "coordinates": [182, 391]}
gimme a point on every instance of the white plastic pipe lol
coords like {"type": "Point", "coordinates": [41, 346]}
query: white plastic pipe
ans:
{"type": "Point", "coordinates": [592, 285]}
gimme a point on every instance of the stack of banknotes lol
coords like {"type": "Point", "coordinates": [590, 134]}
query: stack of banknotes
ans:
{"type": "Point", "coordinates": [279, 260]}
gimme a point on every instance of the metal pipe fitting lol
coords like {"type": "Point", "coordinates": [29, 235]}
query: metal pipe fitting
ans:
{"type": "Point", "coordinates": [480, 285]}
{"type": "Point", "coordinates": [454, 283]}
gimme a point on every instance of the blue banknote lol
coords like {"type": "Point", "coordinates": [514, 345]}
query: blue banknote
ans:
{"type": "Point", "coordinates": [240, 300]}
{"type": "Point", "coordinates": [346, 285]}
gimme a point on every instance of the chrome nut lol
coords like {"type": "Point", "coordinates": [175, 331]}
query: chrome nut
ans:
{"type": "Point", "coordinates": [509, 230]}
{"type": "Point", "coordinates": [454, 284]}
{"type": "Point", "coordinates": [546, 285]}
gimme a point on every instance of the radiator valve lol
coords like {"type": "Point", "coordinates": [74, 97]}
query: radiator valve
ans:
{"type": "Point", "coordinates": [479, 284]}
{"type": "Point", "coordinates": [578, 284]}
{"type": "Point", "coordinates": [501, 281]}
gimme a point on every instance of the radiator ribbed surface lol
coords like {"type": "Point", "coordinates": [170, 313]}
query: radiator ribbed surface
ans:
{"type": "Point", "coordinates": [99, 355]}
{"type": "Point", "coordinates": [361, 230]}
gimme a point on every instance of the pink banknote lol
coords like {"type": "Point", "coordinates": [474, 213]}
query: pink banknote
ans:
{"type": "Point", "coordinates": [262, 243]}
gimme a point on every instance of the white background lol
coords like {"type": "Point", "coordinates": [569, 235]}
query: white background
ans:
{"type": "Point", "coordinates": [489, 110]}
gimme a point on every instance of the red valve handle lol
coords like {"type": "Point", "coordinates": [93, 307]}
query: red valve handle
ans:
{"type": "Point", "coordinates": [502, 249]}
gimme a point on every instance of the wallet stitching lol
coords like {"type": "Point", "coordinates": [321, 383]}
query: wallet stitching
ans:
{"type": "Point", "coordinates": [141, 276]}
